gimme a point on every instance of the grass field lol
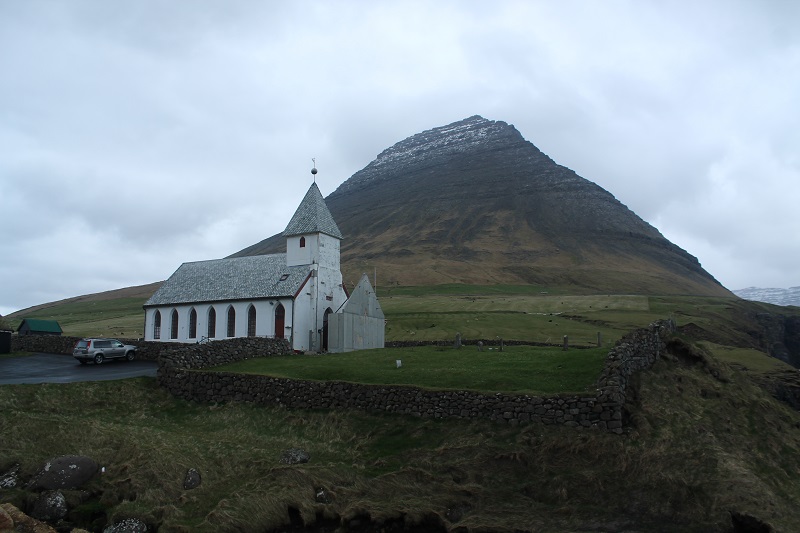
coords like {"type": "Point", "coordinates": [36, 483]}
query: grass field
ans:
{"type": "Point", "coordinates": [432, 313]}
{"type": "Point", "coordinates": [682, 469]}
{"type": "Point", "coordinates": [704, 442]}
{"type": "Point", "coordinates": [518, 369]}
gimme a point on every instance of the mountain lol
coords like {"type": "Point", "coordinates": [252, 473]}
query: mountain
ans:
{"type": "Point", "coordinates": [790, 296]}
{"type": "Point", "coordinates": [474, 202]}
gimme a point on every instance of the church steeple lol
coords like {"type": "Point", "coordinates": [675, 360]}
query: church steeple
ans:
{"type": "Point", "coordinates": [312, 236]}
{"type": "Point", "coordinates": [312, 216]}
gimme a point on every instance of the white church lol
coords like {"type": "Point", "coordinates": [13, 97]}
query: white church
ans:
{"type": "Point", "coordinates": [298, 295]}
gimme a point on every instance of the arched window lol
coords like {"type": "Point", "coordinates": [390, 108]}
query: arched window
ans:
{"type": "Point", "coordinates": [192, 324]}
{"type": "Point", "coordinates": [212, 323]}
{"type": "Point", "coordinates": [173, 332]}
{"type": "Point", "coordinates": [280, 317]}
{"type": "Point", "coordinates": [251, 321]}
{"type": "Point", "coordinates": [157, 325]}
{"type": "Point", "coordinates": [302, 242]}
{"type": "Point", "coordinates": [231, 322]}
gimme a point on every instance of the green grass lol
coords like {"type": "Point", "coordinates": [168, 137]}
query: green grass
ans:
{"type": "Point", "coordinates": [517, 369]}
{"type": "Point", "coordinates": [120, 317]}
{"type": "Point", "coordinates": [748, 358]}
{"type": "Point", "coordinates": [691, 458]}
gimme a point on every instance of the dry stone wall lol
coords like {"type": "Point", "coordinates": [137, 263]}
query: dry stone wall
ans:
{"type": "Point", "coordinates": [169, 353]}
{"type": "Point", "coordinates": [62, 344]}
{"type": "Point", "coordinates": [181, 373]}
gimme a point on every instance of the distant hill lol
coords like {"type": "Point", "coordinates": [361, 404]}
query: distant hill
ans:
{"type": "Point", "coordinates": [474, 202]}
{"type": "Point", "coordinates": [139, 291]}
{"type": "Point", "coordinates": [790, 296]}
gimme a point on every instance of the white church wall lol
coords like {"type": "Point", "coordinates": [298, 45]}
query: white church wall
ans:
{"type": "Point", "coordinates": [265, 320]}
{"type": "Point", "coordinates": [297, 255]}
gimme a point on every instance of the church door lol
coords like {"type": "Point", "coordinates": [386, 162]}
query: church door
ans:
{"type": "Point", "coordinates": [328, 311]}
{"type": "Point", "coordinates": [280, 319]}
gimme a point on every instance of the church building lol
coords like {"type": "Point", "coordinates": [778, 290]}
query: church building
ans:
{"type": "Point", "coordinates": [290, 295]}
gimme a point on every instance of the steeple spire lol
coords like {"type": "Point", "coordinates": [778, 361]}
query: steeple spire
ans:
{"type": "Point", "coordinates": [312, 216]}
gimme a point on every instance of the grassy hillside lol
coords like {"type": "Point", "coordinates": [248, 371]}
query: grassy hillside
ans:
{"type": "Point", "coordinates": [702, 449]}
{"type": "Point", "coordinates": [708, 448]}
{"type": "Point", "coordinates": [511, 312]}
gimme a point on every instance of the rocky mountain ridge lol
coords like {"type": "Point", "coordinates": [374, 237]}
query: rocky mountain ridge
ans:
{"type": "Point", "coordinates": [474, 202]}
{"type": "Point", "coordinates": [790, 296]}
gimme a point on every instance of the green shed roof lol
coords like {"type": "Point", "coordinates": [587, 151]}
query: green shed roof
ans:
{"type": "Point", "coordinates": [38, 324]}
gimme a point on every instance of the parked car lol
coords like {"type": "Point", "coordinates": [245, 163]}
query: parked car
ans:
{"type": "Point", "coordinates": [98, 350]}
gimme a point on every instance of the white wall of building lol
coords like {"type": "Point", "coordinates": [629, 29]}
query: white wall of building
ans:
{"type": "Point", "coordinates": [265, 320]}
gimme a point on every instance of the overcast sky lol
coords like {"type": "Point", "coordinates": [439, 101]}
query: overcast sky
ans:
{"type": "Point", "coordinates": [135, 136]}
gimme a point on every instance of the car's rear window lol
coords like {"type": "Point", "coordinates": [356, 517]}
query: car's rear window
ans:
{"type": "Point", "coordinates": [82, 344]}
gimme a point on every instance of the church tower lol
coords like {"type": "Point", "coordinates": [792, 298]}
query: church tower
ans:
{"type": "Point", "coordinates": [312, 236]}
{"type": "Point", "coordinates": [313, 240]}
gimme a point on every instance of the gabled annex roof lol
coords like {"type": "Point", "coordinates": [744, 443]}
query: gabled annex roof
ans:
{"type": "Point", "coordinates": [312, 216]}
{"type": "Point", "coordinates": [363, 301]}
{"type": "Point", "coordinates": [237, 278]}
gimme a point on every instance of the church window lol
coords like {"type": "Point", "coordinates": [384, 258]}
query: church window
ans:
{"type": "Point", "coordinates": [173, 332]}
{"type": "Point", "coordinates": [212, 323]}
{"type": "Point", "coordinates": [284, 277]}
{"type": "Point", "coordinates": [157, 325]}
{"type": "Point", "coordinates": [280, 321]}
{"type": "Point", "coordinates": [302, 242]}
{"type": "Point", "coordinates": [251, 321]}
{"type": "Point", "coordinates": [192, 324]}
{"type": "Point", "coordinates": [231, 322]}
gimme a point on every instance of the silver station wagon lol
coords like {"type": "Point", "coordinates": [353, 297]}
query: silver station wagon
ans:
{"type": "Point", "coordinates": [98, 350]}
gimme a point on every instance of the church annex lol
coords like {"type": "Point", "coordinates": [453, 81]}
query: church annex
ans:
{"type": "Point", "coordinates": [291, 295]}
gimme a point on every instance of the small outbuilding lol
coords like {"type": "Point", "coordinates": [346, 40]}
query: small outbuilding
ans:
{"type": "Point", "coordinates": [37, 326]}
{"type": "Point", "coordinates": [360, 323]}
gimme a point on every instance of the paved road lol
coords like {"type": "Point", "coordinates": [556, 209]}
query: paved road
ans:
{"type": "Point", "coordinates": [50, 368]}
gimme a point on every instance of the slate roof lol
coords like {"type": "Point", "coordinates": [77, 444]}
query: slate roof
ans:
{"type": "Point", "coordinates": [37, 324]}
{"type": "Point", "coordinates": [237, 278]}
{"type": "Point", "coordinates": [312, 216]}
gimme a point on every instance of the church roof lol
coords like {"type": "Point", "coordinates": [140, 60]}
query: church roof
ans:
{"type": "Point", "coordinates": [312, 216]}
{"type": "Point", "coordinates": [238, 278]}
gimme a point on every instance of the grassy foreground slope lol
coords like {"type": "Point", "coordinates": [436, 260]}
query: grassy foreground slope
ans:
{"type": "Point", "coordinates": [706, 445]}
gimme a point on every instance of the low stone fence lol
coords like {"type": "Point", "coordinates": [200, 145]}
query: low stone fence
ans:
{"type": "Point", "coordinates": [213, 353]}
{"type": "Point", "coordinates": [172, 353]}
{"type": "Point", "coordinates": [62, 344]}
{"type": "Point", "coordinates": [180, 373]}
{"type": "Point", "coordinates": [43, 343]}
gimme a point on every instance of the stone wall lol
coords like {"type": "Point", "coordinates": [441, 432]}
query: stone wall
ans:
{"type": "Point", "coordinates": [180, 373]}
{"type": "Point", "coordinates": [195, 356]}
{"type": "Point", "coordinates": [172, 353]}
{"type": "Point", "coordinates": [43, 343]}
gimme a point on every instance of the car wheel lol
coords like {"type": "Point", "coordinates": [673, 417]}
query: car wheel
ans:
{"type": "Point", "coordinates": [130, 356]}
{"type": "Point", "coordinates": [98, 359]}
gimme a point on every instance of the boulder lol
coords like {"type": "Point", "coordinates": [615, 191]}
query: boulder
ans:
{"type": "Point", "coordinates": [192, 479]}
{"type": "Point", "coordinates": [294, 456]}
{"type": "Point", "coordinates": [129, 525]}
{"type": "Point", "coordinates": [23, 522]}
{"type": "Point", "coordinates": [65, 472]}
{"type": "Point", "coordinates": [49, 505]}
{"type": "Point", "coordinates": [10, 479]}
{"type": "Point", "coordinates": [6, 522]}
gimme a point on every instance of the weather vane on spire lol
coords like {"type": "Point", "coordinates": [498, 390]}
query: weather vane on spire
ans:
{"type": "Point", "coordinates": [314, 169]}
